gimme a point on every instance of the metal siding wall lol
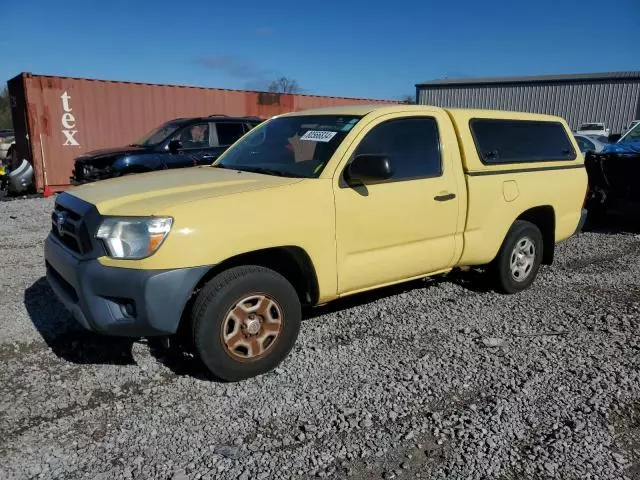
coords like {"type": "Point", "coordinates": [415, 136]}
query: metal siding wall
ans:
{"type": "Point", "coordinates": [614, 102]}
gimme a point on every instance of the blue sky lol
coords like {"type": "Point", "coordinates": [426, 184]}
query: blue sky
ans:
{"type": "Point", "coordinates": [346, 48]}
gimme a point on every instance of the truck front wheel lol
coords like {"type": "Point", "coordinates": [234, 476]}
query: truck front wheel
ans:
{"type": "Point", "coordinates": [245, 322]}
{"type": "Point", "coordinates": [519, 258]}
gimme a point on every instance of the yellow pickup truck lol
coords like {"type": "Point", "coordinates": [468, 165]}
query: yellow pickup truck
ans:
{"type": "Point", "coordinates": [309, 207]}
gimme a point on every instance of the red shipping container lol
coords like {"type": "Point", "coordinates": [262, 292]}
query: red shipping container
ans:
{"type": "Point", "coordinates": [58, 118]}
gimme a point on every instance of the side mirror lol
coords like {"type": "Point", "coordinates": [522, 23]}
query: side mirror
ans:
{"type": "Point", "coordinates": [175, 146]}
{"type": "Point", "coordinates": [369, 168]}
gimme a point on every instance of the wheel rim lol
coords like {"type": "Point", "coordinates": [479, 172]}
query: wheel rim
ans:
{"type": "Point", "coordinates": [252, 327]}
{"type": "Point", "coordinates": [522, 259]}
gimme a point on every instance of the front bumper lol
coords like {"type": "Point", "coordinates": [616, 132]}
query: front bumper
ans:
{"type": "Point", "coordinates": [86, 173]}
{"type": "Point", "coordinates": [119, 301]}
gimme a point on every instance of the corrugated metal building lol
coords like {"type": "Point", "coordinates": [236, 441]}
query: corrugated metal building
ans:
{"type": "Point", "coordinates": [58, 118]}
{"type": "Point", "coordinates": [613, 98]}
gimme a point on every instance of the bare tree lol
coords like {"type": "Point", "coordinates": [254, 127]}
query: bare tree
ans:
{"type": "Point", "coordinates": [408, 99]}
{"type": "Point", "coordinates": [284, 85]}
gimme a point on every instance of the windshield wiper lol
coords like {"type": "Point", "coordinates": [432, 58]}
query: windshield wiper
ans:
{"type": "Point", "coordinates": [262, 170]}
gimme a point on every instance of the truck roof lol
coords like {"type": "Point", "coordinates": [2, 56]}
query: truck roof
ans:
{"type": "Point", "coordinates": [458, 113]}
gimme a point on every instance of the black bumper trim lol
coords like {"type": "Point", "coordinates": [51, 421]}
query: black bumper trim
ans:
{"type": "Point", "coordinates": [583, 219]}
{"type": "Point", "coordinates": [97, 295]}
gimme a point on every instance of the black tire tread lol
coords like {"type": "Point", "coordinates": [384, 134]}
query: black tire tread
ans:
{"type": "Point", "coordinates": [214, 285]}
{"type": "Point", "coordinates": [213, 288]}
{"type": "Point", "coordinates": [495, 267]}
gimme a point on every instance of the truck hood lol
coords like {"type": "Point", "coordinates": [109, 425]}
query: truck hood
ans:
{"type": "Point", "coordinates": [110, 152]}
{"type": "Point", "coordinates": [155, 192]}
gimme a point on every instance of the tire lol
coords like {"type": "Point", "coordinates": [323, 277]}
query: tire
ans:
{"type": "Point", "coordinates": [510, 273]}
{"type": "Point", "coordinates": [224, 322]}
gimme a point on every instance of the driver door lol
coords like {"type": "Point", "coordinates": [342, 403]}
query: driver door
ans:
{"type": "Point", "coordinates": [197, 143]}
{"type": "Point", "coordinates": [403, 227]}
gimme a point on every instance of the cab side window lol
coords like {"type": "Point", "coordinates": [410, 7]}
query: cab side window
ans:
{"type": "Point", "coordinates": [518, 141]}
{"type": "Point", "coordinates": [412, 146]}
{"type": "Point", "coordinates": [228, 133]}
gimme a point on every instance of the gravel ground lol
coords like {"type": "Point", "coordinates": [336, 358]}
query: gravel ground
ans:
{"type": "Point", "coordinates": [435, 379]}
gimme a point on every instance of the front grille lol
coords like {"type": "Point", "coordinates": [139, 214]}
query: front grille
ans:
{"type": "Point", "coordinates": [92, 170]}
{"type": "Point", "coordinates": [66, 286]}
{"type": "Point", "coordinates": [78, 173]}
{"type": "Point", "coordinates": [68, 227]}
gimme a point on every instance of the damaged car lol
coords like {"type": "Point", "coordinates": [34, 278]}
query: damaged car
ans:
{"type": "Point", "coordinates": [613, 174]}
{"type": "Point", "coordinates": [182, 142]}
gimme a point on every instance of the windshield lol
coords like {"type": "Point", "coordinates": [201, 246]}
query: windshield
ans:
{"type": "Point", "coordinates": [157, 135]}
{"type": "Point", "coordinates": [298, 146]}
{"type": "Point", "coordinates": [591, 126]}
{"type": "Point", "coordinates": [632, 135]}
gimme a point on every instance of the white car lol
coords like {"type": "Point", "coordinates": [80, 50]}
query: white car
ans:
{"type": "Point", "coordinates": [594, 129]}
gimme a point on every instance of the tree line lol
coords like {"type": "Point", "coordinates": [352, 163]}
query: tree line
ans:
{"type": "Point", "coordinates": [5, 110]}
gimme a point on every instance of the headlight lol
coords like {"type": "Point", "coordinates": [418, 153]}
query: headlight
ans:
{"type": "Point", "coordinates": [133, 237]}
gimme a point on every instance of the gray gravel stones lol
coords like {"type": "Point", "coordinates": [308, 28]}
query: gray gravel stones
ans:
{"type": "Point", "coordinates": [493, 342]}
{"type": "Point", "coordinates": [228, 451]}
{"type": "Point", "coordinates": [397, 383]}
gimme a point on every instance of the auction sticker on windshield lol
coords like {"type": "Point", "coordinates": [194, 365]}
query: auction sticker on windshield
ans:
{"type": "Point", "coordinates": [318, 136]}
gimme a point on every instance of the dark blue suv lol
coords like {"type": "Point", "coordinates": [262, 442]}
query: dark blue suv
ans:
{"type": "Point", "coordinates": [183, 142]}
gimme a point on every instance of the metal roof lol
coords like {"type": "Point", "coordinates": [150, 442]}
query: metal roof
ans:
{"type": "Point", "coordinates": [533, 79]}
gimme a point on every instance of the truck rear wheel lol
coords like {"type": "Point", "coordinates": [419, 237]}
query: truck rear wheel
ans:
{"type": "Point", "coordinates": [519, 258]}
{"type": "Point", "coordinates": [245, 322]}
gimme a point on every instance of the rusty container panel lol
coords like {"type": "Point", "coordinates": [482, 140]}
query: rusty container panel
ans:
{"type": "Point", "coordinates": [304, 102]}
{"type": "Point", "coordinates": [268, 104]}
{"type": "Point", "coordinates": [65, 117]}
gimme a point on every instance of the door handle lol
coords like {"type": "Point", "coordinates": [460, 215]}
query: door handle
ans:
{"type": "Point", "coordinates": [445, 197]}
